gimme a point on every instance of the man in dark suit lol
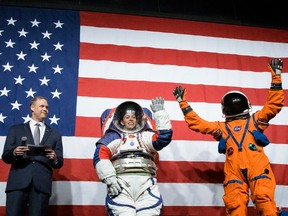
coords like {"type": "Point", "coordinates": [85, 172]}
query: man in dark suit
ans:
{"type": "Point", "coordinates": [29, 183]}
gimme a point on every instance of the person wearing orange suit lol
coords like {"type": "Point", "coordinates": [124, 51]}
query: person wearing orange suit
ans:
{"type": "Point", "coordinates": [242, 140]}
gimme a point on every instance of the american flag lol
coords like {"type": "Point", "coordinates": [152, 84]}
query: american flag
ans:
{"type": "Point", "coordinates": [86, 62]}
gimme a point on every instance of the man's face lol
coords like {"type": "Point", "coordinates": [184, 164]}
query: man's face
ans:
{"type": "Point", "coordinates": [129, 121]}
{"type": "Point", "coordinates": [39, 110]}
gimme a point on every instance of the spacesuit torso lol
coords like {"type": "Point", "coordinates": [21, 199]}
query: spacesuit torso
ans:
{"type": "Point", "coordinates": [133, 153]}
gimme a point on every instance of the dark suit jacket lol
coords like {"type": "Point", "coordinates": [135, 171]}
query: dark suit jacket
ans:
{"type": "Point", "coordinates": [27, 169]}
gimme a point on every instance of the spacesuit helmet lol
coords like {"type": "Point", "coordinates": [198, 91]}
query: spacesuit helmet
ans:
{"type": "Point", "coordinates": [235, 105]}
{"type": "Point", "coordinates": [129, 107]}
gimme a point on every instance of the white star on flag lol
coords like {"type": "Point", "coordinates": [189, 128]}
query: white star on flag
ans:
{"type": "Point", "coordinates": [45, 57]}
{"type": "Point", "coordinates": [7, 67]}
{"type": "Point", "coordinates": [30, 93]}
{"type": "Point", "coordinates": [2, 118]}
{"type": "Point", "coordinates": [57, 69]}
{"type": "Point", "coordinates": [44, 81]}
{"type": "Point", "coordinates": [34, 45]}
{"type": "Point", "coordinates": [22, 33]}
{"type": "Point", "coordinates": [16, 105]}
{"type": "Point", "coordinates": [4, 92]}
{"type": "Point", "coordinates": [35, 23]}
{"type": "Point", "coordinates": [32, 68]}
{"type": "Point", "coordinates": [10, 43]}
{"type": "Point", "coordinates": [56, 94]}
{"type": "Point", "coordinates": [11, 21]}
{"type": "Point", "coordinates": [58, 24]}
{"type": "Point", "coordinates": [54, 120]}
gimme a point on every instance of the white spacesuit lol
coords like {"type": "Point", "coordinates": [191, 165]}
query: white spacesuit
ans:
{"type": "Point", "coordinates": [124, 158]}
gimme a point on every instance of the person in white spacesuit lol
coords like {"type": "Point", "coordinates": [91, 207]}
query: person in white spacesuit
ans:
{"type": "Point", "coordinates": [124, 158]}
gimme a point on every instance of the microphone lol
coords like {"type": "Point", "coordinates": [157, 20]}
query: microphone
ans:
{"type": "Point", "coordinates": [23, 141]}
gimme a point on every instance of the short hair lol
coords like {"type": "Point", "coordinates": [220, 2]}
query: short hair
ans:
{"type": "Point", "coordinates": [33, 100]}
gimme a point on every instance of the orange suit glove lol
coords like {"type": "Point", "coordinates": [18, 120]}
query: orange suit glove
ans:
{"type": "Point", "coordinates": [180, 95]}
{"type": "Point", "coordinates": [275, 67]}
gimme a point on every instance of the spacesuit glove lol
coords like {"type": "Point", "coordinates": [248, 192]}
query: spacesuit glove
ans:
{"type": "Point", "coordinates": [275, 66]}
{"type": "Point", "coordinates": [157, 104]}
{"type": "Point", "coordinates": [113, 185]}
{"type": "Point", "coordinates": [180, 93]}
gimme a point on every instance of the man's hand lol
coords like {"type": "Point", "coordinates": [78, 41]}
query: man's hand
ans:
{"type": "Point", "coordinates": [180, 93]}
{"type": "Point", "coordinates": [20, 150]}
{"type": "Point", "coordinates": [276, 66]}
{"type": "Point", "coordinates": [113, 185]}
{"type": "Point", "coordinates": [51, 154]}
{"type": "Point", "coordinates": [157, 104]}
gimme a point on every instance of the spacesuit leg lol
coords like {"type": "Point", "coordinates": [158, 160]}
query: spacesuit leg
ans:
{"type": "Point", "coordinates": [150, 201]}
{"type": "Point", "coordinates": [139, 196]}
{"type": "Point", "coordinates": [236, 197]}
{"type": "Point", "coordinates": [122, 205]}
{"type": "Point", "coordinates": [262, 194]}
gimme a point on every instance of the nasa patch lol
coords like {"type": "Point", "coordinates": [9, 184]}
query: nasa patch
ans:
{"type": "Point", "coordinates": [237, 128]}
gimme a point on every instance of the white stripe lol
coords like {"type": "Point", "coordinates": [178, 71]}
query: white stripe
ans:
{"type": "Point", "coordinates": [136, 38]}
{"type": "Point", "coordinates": [207, 151]}
{"type": "Point", "coordinates": [208, 111]}
{"type": "Point", "coordinates": [177, 150]}
{"type": "Point", "coordinates": [175, 74]}
{"type": "Point", "coordinates": [174, 194]}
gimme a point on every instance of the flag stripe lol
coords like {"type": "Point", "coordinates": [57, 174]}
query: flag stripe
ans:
{"type": "Point", "coordinates": [93, 193]}
{"type": "Point", "coordinates": [184, 172]}
{"type": "Point", "coordinates": [179, 150]}
{"type": "Point", "coordinates": [168, 210]}
{"type": "Point", "coordinates": [182, 27]}
{"type": "Point", "coordinates": [175, 74]}
{"type": "Point", "coordinates": [90, 126]}
{"type": "Point", "coordinates": [197, 43]}
{"type": "Point", "coordinates": [90, 51]}
{"type": "Point", "coordinates": [93, 87]}
{"type": "Point", "coordinates": [207, 111]}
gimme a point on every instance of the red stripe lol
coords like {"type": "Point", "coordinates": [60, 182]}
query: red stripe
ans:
{"type": "Point", "coordinates": [181, 26]}
{"type": "Point", "coordinates": [183, 172]}
{"type": "Point", "coordinates": [88, 127]}
{"type": "Point", "coordinates": [200, 210]}
{"type": "Point", "coordinates": [4, 171]}
{"type": "Point", "coordinates": [72, 210]}
{"type": "Point", "coordinates": [93, 87]}
{"type": "Point", "coordinates": [76, 210]}
{"type": "Point", "coordinates": [172, 57]}
{"type": "Point", "coordinates": [180, 132]}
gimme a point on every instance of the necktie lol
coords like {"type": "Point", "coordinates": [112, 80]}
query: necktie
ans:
{"type": "Point", "coordinates": [37, 134]}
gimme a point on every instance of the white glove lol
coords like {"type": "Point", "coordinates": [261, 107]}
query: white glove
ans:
{"type": "Point", "coordinates": [113, 185]}
{"type": "Point", "coordinates": [157, 104]}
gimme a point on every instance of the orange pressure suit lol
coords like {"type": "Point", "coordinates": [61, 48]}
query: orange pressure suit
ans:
{"type": "Point", "coordinates": [246, 165]}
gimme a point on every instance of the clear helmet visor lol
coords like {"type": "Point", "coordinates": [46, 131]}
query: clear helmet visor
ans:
{"type": "Point", "coordinates": [129, 107]}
